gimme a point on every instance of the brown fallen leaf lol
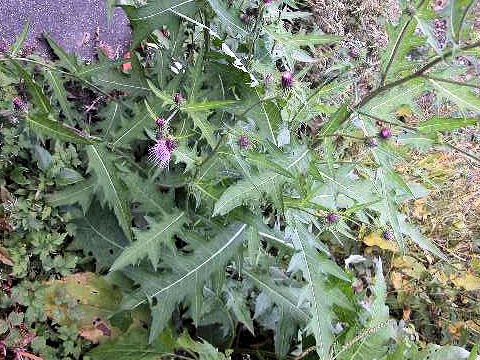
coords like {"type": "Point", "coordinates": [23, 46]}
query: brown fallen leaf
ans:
{"type": "Point", "coordinates": [397, 280]}
{"type": "Point", "coordinates": [420, 209]}
{"type": "Point", "coordinates": [5, 257]}
{"type": "Point", "coordinates": [455, 329]}
{"type": "Point", "coordinates": [375, 239]}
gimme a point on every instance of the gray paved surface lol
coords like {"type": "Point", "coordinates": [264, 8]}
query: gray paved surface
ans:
{"type": "Point", "coordinates": [71, 23]}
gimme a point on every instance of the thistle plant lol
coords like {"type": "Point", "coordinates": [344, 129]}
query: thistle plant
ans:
{"type": "Point", "coordinates": [240, 238]}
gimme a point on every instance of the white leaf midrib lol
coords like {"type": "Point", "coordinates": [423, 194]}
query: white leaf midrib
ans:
{"type": "Point", "coordinates": [196, 269]}
{"type": "Point", "coordinates": [218, 211]}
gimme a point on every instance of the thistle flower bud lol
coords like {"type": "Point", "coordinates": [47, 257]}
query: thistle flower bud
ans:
{"type": "Point", "coordinates": [353, 52]}
{"type": "Point", "coordinates": [287, 80]}
{"type": "Point", "coordinates": [332, 218]}
{"type": "Point", "coordinates": [160, 122]}
{"type": "Point", "coordinates": [178, 98]}
{"type": "Point", "coordinates": [19, 104]}
{"type": "Point", "coordinates": [243, 142]}
{"type": "Point", "coordinates": [385, 133]}
{"type": "Point", "coordinates": [387, 235]}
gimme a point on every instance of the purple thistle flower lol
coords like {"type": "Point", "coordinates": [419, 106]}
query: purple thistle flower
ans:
{"type": "Point", "coordinates": [267, 2]}
{"type": "Point", "coordinates": [19, 104]}
{"type": "Point", "coordinates": [385, 133]}
{"type": "Point", "coordinates": [243, 142]}
{"type": "Point", "coordinates": [159, 154]}
{"type": "Point", "coordinates": [171, 144]}
{"type": "Point", "coordinates": [387, 235]}
{"type": "Point", "coordinates": [178, 98]}
{"type": "Point", "coordinates": [332, 218]}
{"type": "Point", "coordinates": [287, 80]}
{"type": "Point", "coordinates": [160, 122]}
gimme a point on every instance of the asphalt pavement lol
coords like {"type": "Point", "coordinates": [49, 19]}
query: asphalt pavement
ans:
{"type": "Point", "coordinates": [78, 26]}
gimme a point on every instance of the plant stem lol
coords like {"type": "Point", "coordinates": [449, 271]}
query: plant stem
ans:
{"type": "Point", "coordinates": [256, 28]}
{"type": "Point", "coordinates": [414, 75]}
{"type": "Point", "coordinates": [450, 81]}
{"type": "Point", "coordinates": [473, 157]}
{"type": "Point", "coordinates": [386, 121]}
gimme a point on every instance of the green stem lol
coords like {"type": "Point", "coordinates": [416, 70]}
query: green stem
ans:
{"type": "Point", "coordinates": [460, 83]}
{"type": "Point", "coordinates": [414, 75]}
{"type": "Point", "coordinates": [256, 28]}
{"type": "Point", "coordinates": [386, 121]}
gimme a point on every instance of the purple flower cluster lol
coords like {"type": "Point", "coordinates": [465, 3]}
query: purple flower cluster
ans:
{"type": "Point", "coordinates": [243, 142]}
{"type": "Point", "coordinates": [440, 32]}
{"type": "Point", "coordinates": [178, 98]}
{"type": "Point", "coordinates": [387, 235]}
{"type": "Point", "coordinates": [19, 104]}
{"type": "Point", "coordinates": [385, 133]}
{"type": "Point", "coordinates": [160, 153]}
{"type": "Point", "coordinates": [332, 218]}
{"type": "Point", "coordinates": [287, 80]}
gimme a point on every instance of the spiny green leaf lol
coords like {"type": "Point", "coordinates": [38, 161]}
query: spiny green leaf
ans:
{"type": "Point", "coordinates": [38, 96]}
{"type": "Point", "coordinates": [322, 316]}
{"type": "Point", "coordinates": [68, 61]}
{"type": "Point", "coordinates": [55, 130]}
{"type": "Point", "coordinates": [227, 18]}
{"type": "Point", "coordinates": [166, 98]}
{"type": "Point", "coordinates": [456, 14]}
{"type": "Point", "coordinates": [251, 189]}
{"type": "Point", "coordinates": [200, 120]}
{"type": "Point", "coordinates": [155, 14]}
{"type": "Point", "coordinates": [18, 44]}
{"type": "Point", "coordinates": [282, 295]}
{"type": "Point", "coordinates": [460, 95]}
{"type": "Point", "coordinates": [301, 39]}
{"type": "Point", "coordinates": [60, 93]}
{"type": "Point", "coordinates": [80, 193]}
{"type": "Point", "coordinates": [187, 272]}
{"type": "Point", "coordinates": [204, 350]}
{"type": "Point", "coordinates": [206, 105]}
{"type": "Point", "coordinates": [134, 345]}
{"type": "Point", "coordinates": [335, 121]}
{"type": "Point", "coordinates": [146, 193]}
{"type": "Point", "coordinates": [109, 184]}
{"type": "Point", "coordinates": [438, 124]}
{"type": "Point", "coordinates": [98, 232]}
{"type": "Point", "coordinates": [87, 71]}
{"type": "Point", "coordinates": [150, 243]}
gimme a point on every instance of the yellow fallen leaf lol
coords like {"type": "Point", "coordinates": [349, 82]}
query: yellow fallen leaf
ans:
{"type": "Point", "coordinates": [467, 281]}
{"type": "Point", "coordinates": [375, 239]}
{"type": "Point", "coordinates": [409, 266]}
